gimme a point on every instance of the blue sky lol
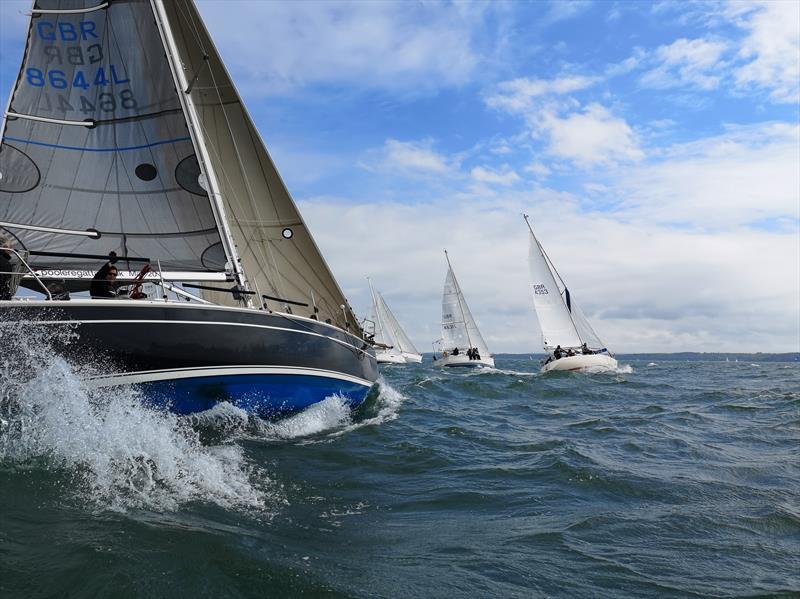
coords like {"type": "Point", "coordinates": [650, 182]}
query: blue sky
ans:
{"type": "Point", "coordinates": [655, 145]}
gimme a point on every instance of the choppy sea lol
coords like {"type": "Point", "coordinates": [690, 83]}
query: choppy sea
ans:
{"type": "Point", "coordinates": [666, 479]}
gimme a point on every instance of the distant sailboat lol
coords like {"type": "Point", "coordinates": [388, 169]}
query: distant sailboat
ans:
{"type": "Point", "coordinates": [125, 133]}
{"type": "Point", "coordinates": [392, 345]}
{"type": "Point", "coordinates": [562, 322]}
{"type": "Point", "coordinates": [460, 334]}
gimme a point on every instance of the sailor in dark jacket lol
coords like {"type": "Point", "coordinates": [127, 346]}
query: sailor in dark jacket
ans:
{"type": "Point", "coordinates": [6, 268]}
{"type": "Point", "coordinates": [103, 280]}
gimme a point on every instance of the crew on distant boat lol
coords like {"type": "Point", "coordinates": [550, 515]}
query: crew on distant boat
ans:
{"type": "Point", "coordinates": [558, 353]}
{"type": "Point", "coordinates": [455, 352]}
{"type": "Point", "coordinates": [6, 268]}
{"type": "Point", "coordinates": [585, 349]}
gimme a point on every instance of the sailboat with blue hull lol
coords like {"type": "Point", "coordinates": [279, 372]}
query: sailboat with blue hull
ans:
{"type": "Point", "coordinates": [126, 146]}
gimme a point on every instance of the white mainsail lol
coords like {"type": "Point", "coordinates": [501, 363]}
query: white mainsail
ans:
{"type": "Point", "coordinates": [459, 329]}
{"type": "Point", "coordinates": [561, 320]}
{"type": "Point", "coordinates": [401, 340]}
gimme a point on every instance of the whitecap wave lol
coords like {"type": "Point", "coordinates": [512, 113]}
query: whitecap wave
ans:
{"type": "Point", "coordinates": [117, 452]}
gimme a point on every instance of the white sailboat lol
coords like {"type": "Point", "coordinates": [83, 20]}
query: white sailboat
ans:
{"type": "Point", "coordinates": [392, 345]}
{"type": "Point", "coordinates": [462, 343]}
{"type": "Point", "coordinates": [568, 337]}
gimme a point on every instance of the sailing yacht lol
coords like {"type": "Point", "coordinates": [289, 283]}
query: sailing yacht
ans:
{"type": "Point", "coordinates": [460, 334]}
{"type": "Point", "coordinates": [562, 322]}
{"type": "Point", "coordinates": [391, 342]}
{"type": "Point", "coordinates": [124, 133]}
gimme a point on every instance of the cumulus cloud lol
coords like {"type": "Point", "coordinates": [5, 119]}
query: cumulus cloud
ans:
{"type": "Point", "coordinates": [687, 62]}
{"type": "Point", "coordinates": [502, 176]}
{"type": "Point", "coordinates": [644, 286]}
{"type": "Point", "coordinates": [771, 50]}
{"type": "Point", "coordinates": [593, 136]}
{"type": "Point", "coordinates": [588, 135]}
{"type": "Point", "coordinates": [279, 47]}
{"type": "Point", "coordinates": [409, 157]}
{"type": "Point", "coordinates": [744, 176]}
{"type": "Point", "coordinates": [520, 95]}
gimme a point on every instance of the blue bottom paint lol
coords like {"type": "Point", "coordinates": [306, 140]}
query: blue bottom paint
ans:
{"type": "Point", "coordinates": [268, 396]}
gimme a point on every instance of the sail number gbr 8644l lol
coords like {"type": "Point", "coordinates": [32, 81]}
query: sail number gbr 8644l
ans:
{"type": "Point", "coordinates": [70, 65]}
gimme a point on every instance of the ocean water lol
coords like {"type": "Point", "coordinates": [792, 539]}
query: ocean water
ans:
{"type": "Point", "coordinates": [666, 479]}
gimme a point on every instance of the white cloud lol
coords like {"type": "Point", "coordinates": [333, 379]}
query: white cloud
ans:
{"type": "Point", "coordinates": [538, 169]}
{"type": "Point", "coordinates": [409, 157]}
{"type": "Point", "coordinates": [594, 136]}
{"type": "Point", "coordinates": [645, 287]}
{"type": "Point", "coordinates": [687, 62]}
{"type": "Point", "coordinates": [276, 47]}
{"type": "Point", "coordinates": [587, 136]}
{"type": "Point", "coordinates": [771, 49]}
{"type": "Point", "coordinates": [503, 176]}
{"type": "Point", "coordinates": [701, 251]}
{"type": "Point", "coordinates": [520, 95]}
{"type": "Point", "coordinates": [746, 175]}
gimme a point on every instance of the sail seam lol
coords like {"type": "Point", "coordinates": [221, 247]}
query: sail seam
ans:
{"type": "Point", "coordinates": [117, 149]}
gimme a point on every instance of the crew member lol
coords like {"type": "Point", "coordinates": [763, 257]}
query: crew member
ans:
{"type": "Point", "coordinates": [103, 280]}
{"type": "Point", "coordinates": [6, 268]}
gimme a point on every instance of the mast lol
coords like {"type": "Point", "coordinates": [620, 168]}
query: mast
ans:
{"type": "Point", "coordinates": [198, 141]}
{"type": "Point", "coordinates": [458, 296]}
{"type": "Point", "coordinates": [552, 268]}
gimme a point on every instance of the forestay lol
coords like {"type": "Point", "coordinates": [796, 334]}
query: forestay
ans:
{"type": "Point", "coordinates": [278, 254]}
{"type": "Point", "coordinates": [458, 326]}
{"type": "Point", "coordinates": [95, 138]}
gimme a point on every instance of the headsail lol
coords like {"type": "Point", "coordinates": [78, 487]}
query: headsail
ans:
{"type": "Point", "coordinates": [560, 318]}
{"type": "Point", "coordinates": [459, 329]}
{"type": "Point", "coordinates": [95, 138]}
{"type": "Point", "coordinates": [401, 340]}
{"type": "Point", "coordinates": [278, 253]}
{"type": "Point", "coordinates": [384, 334]}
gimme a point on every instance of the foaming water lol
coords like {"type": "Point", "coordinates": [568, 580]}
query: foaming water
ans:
{"type": "Point", "coordinates": [111, 449]}
{"type": "Point", "coordinates": [333, 416]}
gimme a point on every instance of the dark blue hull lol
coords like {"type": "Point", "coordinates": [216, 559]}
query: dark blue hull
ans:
{"type": "Point", "coordinates": [189, 358]}
{"type": "Point", "coordinates": [269, 396]}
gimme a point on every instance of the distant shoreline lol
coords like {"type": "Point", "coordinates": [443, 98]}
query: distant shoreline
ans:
{"type": "Point", "coordinates": [684, 356]}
